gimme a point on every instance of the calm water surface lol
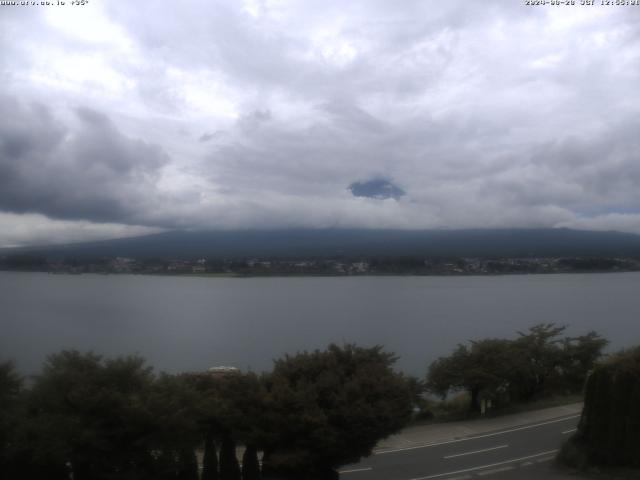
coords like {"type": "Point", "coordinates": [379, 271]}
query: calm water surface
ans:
{"type": "Point", "coordinates": [189, 323]}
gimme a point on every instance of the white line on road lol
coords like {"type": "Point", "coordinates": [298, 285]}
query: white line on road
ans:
{"type": "Point", "coordinates": [476, 451]}
{"type": "Point", "coordinates": [354, 470]}
{"type": "Point", "coordinates": [466, 439]}
{"type": "Point", "coordinates": [482, 467]}
{"type": "Point", "coordinates": [569, 431]}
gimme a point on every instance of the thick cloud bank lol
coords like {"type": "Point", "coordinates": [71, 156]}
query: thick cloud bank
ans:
{"type": "Point", "coordinates": [124, 117]}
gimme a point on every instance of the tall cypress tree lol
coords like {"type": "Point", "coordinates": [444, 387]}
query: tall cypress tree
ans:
{"type": "Point", "coordinates": [188, 465]}
{"type": "Point", "coordinates": [250, 464]}
{"type": "Point", "coordinates": [166, 465]}
{"type": "Point", "coordinates": [229, 467]}
{"type": "Point", "coordinates": [210, 460]}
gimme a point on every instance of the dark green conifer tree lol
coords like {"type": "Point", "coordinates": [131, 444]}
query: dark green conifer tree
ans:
{"type": "Point", "coordinates": [250, 464]}
{"type": "Point", "coordinates": [229, 466]}
{"type": "Point", "coordinates": [188, 465]}
{"type": "Point", "coordinates": [210, 459]}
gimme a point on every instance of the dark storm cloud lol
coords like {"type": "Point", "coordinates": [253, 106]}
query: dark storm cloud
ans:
{"type": "Point", "coordinates": [91, 173]}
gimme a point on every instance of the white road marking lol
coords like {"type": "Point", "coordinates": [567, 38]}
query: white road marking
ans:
{"type": "Point", "coordinates": [482, 467]}
{"type": "Point", "coordinates": [354, 470]}
{"type": "Point", "coordinates": [495, 470]}
{"type": "Point", "coordinates": [466, 439]}
{"type": "Point", "coordinates": [569, 431]}
{"type": "Point", "coordinates": [477, 451]}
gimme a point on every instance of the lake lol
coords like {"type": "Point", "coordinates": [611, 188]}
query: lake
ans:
{"type": "Point", "coordinates": [192, 323]}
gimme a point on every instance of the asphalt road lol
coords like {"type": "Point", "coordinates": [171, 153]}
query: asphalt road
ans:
{"type": "Point", "coordinates": [520, 452]}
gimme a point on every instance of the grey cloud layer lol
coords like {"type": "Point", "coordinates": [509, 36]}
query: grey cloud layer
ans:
{"type": "Point", "coordinates": [261, 114]}
{"type": "Point", "coordinates": [91, 173]}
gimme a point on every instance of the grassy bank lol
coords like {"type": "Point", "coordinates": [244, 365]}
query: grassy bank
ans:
{"type": "Point", "coordinates": [457, 408]}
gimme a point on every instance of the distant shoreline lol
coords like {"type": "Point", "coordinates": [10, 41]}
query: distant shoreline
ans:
{"type": "Point", "coordinates": [337, 266]}
{"type": "Point", "coordinates": [320, 275]}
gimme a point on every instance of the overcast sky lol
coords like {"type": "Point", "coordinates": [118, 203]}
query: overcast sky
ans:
{"type": "Point", "coordinates": [124, 117]}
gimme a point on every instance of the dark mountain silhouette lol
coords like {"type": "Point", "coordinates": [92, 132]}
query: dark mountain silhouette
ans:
{"type": "Point", "coordinates": [352, 243]}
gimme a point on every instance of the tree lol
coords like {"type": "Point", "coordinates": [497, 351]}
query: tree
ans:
{"type": "Point", "coordinates": [537, 360]}
{"type": "Point", "coordinates": [210, 459]}
{"type": "Point", "coordinates": [328, 408]}
{"type": "Point", "coordinates": [609, 430]}
{"type": "Point", "coordinates": [90, 413]}
{"type": "Point", "coordinates": [241, 409]}
{"type": "Point", "coordinates": [480, 369]}
{"type": "Point", "coordinates": [231, 410]}
{"type": "Point", "coordinates": [208, 418]}
{"type": "Point", "coordinates": [187, 465]}
{"type": "Point", "coordinates": [250, 464]}
{"type": "Point", "coordinates": [10, 386]}
{"type": "Point", "coordinates": [580, 356]}
{"type": "Point", "coordinates": [174, 405]}
{"type": "Point", "coordinates": [229, 466]}
{"type": "Point", "coordinates": [10, 417]}
{"type": "Point", "coordinates": [421, 406]}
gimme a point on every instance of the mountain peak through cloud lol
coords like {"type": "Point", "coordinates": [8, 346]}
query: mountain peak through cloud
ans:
{"type": "Point", "coordinates": [378, 188]}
